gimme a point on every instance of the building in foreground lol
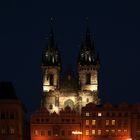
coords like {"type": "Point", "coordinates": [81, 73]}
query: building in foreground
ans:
{"type": "Point", "coordinates": [12, 114]}
{"type": "Point", "coordinates": [71, 109]}
{"type": "Point", "coordinates": [96, 122]}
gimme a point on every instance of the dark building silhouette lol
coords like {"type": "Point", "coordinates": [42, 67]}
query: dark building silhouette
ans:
{"type": "Point", "coordinates": [12, 114]}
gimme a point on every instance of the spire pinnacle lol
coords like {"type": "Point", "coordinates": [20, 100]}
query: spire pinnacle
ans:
{"type": "Point", "coordinates": [51, 41]}
{"type": "Point", "coordinates": [87, 26]}
{"type": "Point", "coordinates": [51, 24]}
{"type": "Point", "coordinates": [51, 56]}
{"type": "Point", "coordinates": [87, 35]}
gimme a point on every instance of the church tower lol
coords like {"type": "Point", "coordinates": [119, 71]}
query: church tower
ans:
{"type": "Point", "coordinates": [50, 70]}
{"type": "Point", "coordinates": [51, 64]}
{"type": "Point", "coordinates": [88, 68]}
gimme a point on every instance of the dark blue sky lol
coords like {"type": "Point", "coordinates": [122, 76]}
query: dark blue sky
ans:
{"type": "Point", "coordinates": [115, 26]}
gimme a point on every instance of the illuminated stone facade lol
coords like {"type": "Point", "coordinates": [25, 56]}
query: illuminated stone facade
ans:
{"type": "Point", "coordinates": [67, 91]}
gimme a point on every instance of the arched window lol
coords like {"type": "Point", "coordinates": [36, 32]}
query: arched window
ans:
{"type": "Point", "coordinates": [50, 106]}
{"type": "Point", "coordinates": [51, 79]}
{"type": "Point", "coordinates": [69, 103]}
{"type": "Point", "coordinates": [88, 76]}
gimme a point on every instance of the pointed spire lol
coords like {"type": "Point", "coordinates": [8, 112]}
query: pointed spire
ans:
{"type": "Point", "coordinates": [51, 41]}
{"type": "Point", "coordinates": [88, 53]}
{"type": "Point", "coordinates": [51, 56]}
{"type": "Point", "coordinates": [88, 34]}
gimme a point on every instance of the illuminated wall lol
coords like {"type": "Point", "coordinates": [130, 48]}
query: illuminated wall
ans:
{"type": "Point", "coordinates": [50, 78]}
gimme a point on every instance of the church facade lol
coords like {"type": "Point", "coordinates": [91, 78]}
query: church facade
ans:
{"type": "Point", "coordinates": [59, 93]}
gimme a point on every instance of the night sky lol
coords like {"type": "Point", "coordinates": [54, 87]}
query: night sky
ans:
{"type": "Point", "coordinates": [115, 27]}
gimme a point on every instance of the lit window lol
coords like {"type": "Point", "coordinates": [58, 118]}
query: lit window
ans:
{"type": "Point", "coordinates": [87, 113]}
{"type": "Point", "coordinates": [125, 130]}
{"type": "Point", "coordinates": [107, 131]}
{"type": "Point", "coordinates": [93, 122]}
{"type": "Point", "coordinates": [99, 132]}
{"type": "Point", "coordinates": [113, 131]}
{"type": "Point", "coordinates": [119, 130]}
{"type": "Point", "coordinates": [113, 122]}
{"type": "Point", "coordinates": [87, 132]}
{"type": "Point", "coordinates": [53, 59]}
{"type": "Point", "coordinates": [87, 122]}
{"type": "Point", "coordinates": [12, 130]}
{"type": "Point", "coordinates": [89, 58]}
{"type": "Point", "coordinates": [107, 122]}
{"type": "Point", "coordinates": [93, 132]}
{"type": "Point", "coordinates": [99, 114]}
{"type": "Point", "coordinates": [35, 132]}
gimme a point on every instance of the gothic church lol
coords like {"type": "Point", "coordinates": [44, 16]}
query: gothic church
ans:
{"type": "Point", "coordinates": [58, 93]}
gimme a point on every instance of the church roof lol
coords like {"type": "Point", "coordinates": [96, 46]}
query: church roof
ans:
{"type": "Point", "coordinates": [7, 91]}
{"type": "Point", "coordinates": [69, 82]}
